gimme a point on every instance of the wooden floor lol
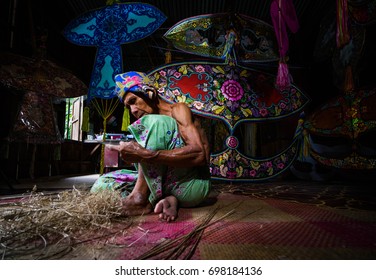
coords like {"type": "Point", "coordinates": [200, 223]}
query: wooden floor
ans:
{"type": "Point", "coordinates": [47, 184]}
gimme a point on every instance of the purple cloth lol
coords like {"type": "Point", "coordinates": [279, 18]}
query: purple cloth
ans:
{"type": "Point", "coordinates": [283, 15]}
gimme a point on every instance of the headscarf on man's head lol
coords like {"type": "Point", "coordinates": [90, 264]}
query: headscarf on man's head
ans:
{"type": "Point", "coordinates": [136, 82]}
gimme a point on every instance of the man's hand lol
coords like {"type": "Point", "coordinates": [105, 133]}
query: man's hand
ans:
{"type": "Point", "coordinates": [132, 152]}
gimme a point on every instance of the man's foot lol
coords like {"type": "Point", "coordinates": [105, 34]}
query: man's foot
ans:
{"type": "Point", "coordinates": [167, 208]}
{"type": "Point", "coordinates": [136, 204]}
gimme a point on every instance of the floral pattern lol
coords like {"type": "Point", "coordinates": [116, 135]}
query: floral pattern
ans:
{"type": "Point", "coordinates": [232, 90]}
{"type": "Point", "coordinates": [226, 91]}
{"type": "Point", "coordinates": [232, 142]}
{"type": "Point", "coordinates": [231, 165]}
{"type": "Point", "coordinates": [352, 161]}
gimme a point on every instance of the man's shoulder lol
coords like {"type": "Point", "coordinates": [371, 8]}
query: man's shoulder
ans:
{"type": "Point", "coordinates": [182, 113]}
{"type": "Point", "coordinates": [180, 105]}
{"type": "Point", "coordinates": [180, 108]}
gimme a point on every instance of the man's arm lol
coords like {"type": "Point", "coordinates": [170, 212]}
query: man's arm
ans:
{"type": "Point", "coordinates": [192, 154]}
{"type": "Point", "coordinates": [204, 138]}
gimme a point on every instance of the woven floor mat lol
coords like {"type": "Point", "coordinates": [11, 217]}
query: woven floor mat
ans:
{"type": "Point", "coordinates": [243, 227]}
{"type": "Point", "coordinates": [337, 195]}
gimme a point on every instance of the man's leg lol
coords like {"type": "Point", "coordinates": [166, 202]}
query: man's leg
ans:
{"type": "Point", "coordinates": [184, 187]}
{"type": "Point", "coordinates": [158, 132]}
{"type": "Point", "coordinates": [137, 202]}
{"type": "Point", "coordinates": [169, 187]}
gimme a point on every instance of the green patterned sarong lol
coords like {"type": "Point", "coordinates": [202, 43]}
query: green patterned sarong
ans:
{"type": "Point", "coordinates": [158, 132]}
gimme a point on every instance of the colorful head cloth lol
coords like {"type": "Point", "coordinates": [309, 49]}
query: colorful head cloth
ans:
{"type": "Point", "coordinates": [133, 82]}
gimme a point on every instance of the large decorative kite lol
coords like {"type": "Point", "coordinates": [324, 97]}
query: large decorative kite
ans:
{"type": "Point", "coordinates": [210, 36]}
{"type": "Point", "coordinates": [39, 75]}
{"type": "Point", "coordinates": [233, 94]}
{"type": "Point", "coordinates": [229, 90]}
{"type": "Point", "coordinates": [40, 79]}
{"type": "Point", "coordinates": [107, 29]}
{"type": "Point", "coordinates": [350, 122]}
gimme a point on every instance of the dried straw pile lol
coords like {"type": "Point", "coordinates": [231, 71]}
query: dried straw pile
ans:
{"type": "Point", "coordinates": [47, 226]}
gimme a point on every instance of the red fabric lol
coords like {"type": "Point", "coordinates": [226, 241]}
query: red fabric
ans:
{"type": "Point", "coordinates": [193, 84]}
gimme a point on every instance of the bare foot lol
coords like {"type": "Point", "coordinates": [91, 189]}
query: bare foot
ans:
{"type": "Point", "coordinates": [167, 208]}
{"type": "Point", "coordinates": [136, 204]}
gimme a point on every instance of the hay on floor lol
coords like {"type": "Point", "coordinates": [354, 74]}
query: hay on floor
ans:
{"type": "Point", "coordinates": [41, 226]}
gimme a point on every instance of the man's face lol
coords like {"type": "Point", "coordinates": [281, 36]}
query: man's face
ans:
{"type": "Point", "coordinates": [138, 106]}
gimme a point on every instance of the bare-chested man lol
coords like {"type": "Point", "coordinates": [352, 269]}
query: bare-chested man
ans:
{"type": "Point", "coordinates": [171, 150]}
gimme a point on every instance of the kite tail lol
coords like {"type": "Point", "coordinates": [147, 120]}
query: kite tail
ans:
{"type": "Point", "coordinates": [126, 120]}
{"type": "Point", "coordinates": [342, 35]}
{"type": "Point", "coordinates": [85, 120]}
{"type": "Point", "coordinates": [284, 79]}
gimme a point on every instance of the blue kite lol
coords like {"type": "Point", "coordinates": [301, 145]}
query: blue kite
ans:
{"type": "Point", "coordinates": [107, 28]}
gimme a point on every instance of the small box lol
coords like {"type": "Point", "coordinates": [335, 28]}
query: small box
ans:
{"type": "Point", "coordinates": [111, 157]}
